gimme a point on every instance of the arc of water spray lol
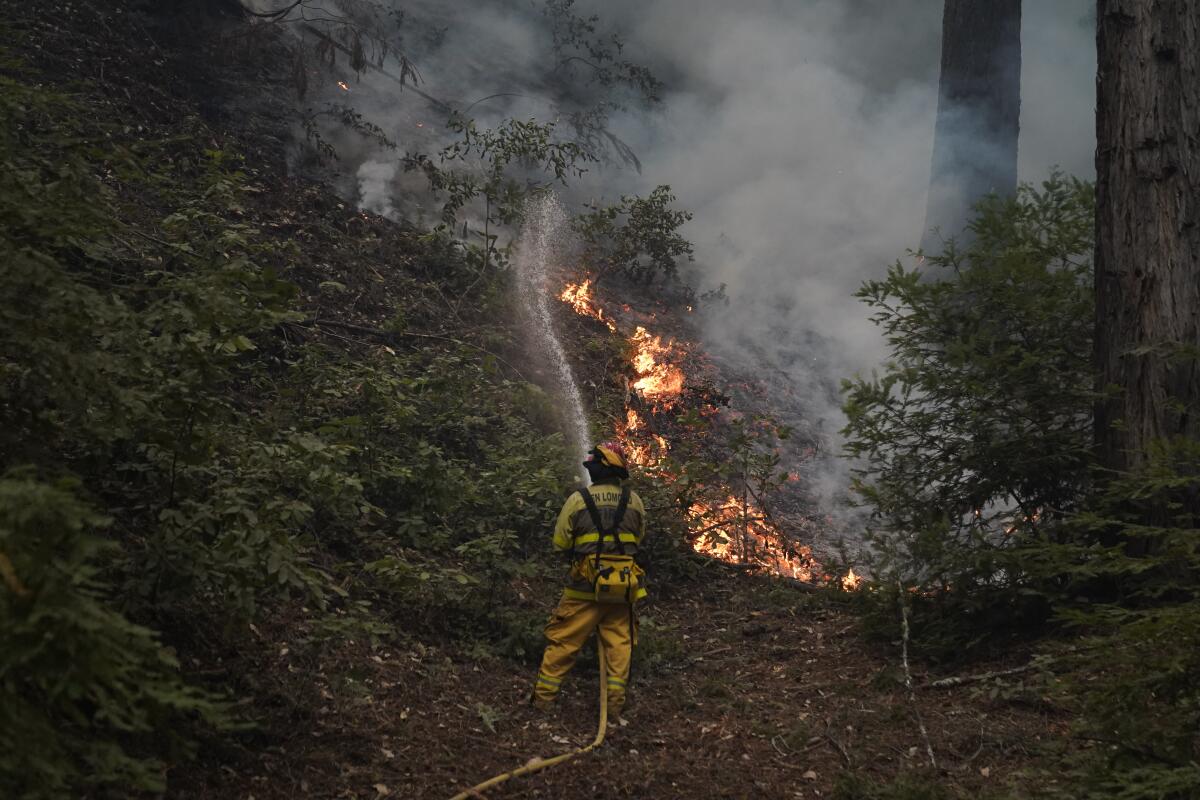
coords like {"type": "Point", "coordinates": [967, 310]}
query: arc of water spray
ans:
{"type": "Point", "coordinates": [541, 241]}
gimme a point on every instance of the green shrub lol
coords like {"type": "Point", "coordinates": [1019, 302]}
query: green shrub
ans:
{"type": "Point", "coordinates": [231, 468]}
{"type": "Point", "coordinates": [976, 466]}
{"type": "Point", "coordinates": [977, 432]}
{"type": "Point", "coordinates": [637, 238]}
{"type": "Point", "coordinates": [659, 647]}
{"type": "Point", "coordinates": [1133, 675]}
{"type": "Point", "coordinates": [86, 697]}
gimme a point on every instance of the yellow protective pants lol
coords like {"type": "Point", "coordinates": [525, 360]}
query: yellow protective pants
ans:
{"type": "Point", "coordinates": [569, 627]}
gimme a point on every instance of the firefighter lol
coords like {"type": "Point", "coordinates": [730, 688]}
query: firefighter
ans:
{"type": "Point", "coordinates": [600, 528]}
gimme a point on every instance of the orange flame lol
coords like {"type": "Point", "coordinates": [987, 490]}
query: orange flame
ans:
{"type": "Point", "coordinates": [579, 297]}
{"type": "Point", "coordinates": [345, 87]}
{"type": "Point", "coordinates": [733, 530]}
{"type": "Point", "coordinates": [658, 381]}
{"type": "Point", "coordinates": [850, 581]}
{"type": "Point", "coordinates": [740, 534]}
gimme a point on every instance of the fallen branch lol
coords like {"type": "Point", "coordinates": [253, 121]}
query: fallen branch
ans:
{"type": "Point", "coordinates": [715, 652]}
{"type": "Point", "coordinates": [829, 737]}
{"type": "Point", "coordinates": [960, 680]}
{"type": "Point", "coordinates": [908, 681]}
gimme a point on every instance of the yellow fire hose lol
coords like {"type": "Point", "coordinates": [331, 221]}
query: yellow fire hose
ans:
{"type": "Point", "coordinates": [537, 766]}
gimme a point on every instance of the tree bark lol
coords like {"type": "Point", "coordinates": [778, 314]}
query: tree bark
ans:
{"type": "Point", "coordinates": [1147, 234]}
{"type": "Point", "coordinates": [978, 116]}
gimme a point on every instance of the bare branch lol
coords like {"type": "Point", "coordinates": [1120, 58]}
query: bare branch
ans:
{"type": "Point", "coordinates": [908, 681]}
{"type": "Point", "coordinates": [400, 79]}
{"type": "Point", "coordinates": [274, 15]}
{"type": "Point", "coordinates": [960, 680]}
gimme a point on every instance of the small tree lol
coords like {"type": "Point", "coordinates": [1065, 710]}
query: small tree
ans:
{"type": "Point", "coordinates": [499, 165]}
{"type": "Point", "coordinates": [637, 237]}
{"type": "Point", "coordinates": [86, 696]}
{"type": "Point", "coordinates": [1132, 678]}
{"type": "Point", "coordinates": [977, 430]}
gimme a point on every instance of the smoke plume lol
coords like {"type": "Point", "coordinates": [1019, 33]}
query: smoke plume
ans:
{"type": "Point", "coordinates": [799, 132]}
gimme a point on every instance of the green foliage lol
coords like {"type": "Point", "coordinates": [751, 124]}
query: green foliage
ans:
{"type": "Point", "coordinates": [86, 697]}
{"type": "Point", "coordinates": [1133, 677]}
{"type": "Point", "coordinates": [637, 237]}
{"type": "Point", "coordinates": [348, 118]}
{"type": "Point", "coordinates": [117, 373]}
{"type": "Point", "coordinates": [579, 46]}
{"type": "Point", "coordinates": [452, 484]}
{"type": "Point", "coordinates": [130, 376]}
{"type": "Point", "coordinates": [488, 716]}
{"type": "Point", "coordinates": [149, 372]}
{"type": "Point", "coordinates": [974, 447]}
{"type": "Point", "coordinates": [659, 648]}
{"type": "Point", "coordinates": [577, 43]}
{"type": "Point", "coordinates": [498, 166]}
{"type": "Point", "coordinates": [977, 434]}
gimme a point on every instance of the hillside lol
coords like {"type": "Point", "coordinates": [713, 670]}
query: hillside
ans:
{"type": "Point", "coordinates": [279, 476]}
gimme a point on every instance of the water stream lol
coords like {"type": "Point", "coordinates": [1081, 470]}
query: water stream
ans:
{"type": "Point", "coordinates": [541, 241]}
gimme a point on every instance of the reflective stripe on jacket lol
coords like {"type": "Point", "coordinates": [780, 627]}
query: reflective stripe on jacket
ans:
{"type": "Point", "coordinates": [575, 527]}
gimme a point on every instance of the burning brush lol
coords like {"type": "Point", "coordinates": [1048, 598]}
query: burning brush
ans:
{"type": "Point", "coordinates": [579, 297]}
{"type": "Point", "coordinates": [733, 529]}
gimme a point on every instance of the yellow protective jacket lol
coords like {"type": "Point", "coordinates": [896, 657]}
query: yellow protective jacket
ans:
{"type": "Point", "coordinates": [576, 533]}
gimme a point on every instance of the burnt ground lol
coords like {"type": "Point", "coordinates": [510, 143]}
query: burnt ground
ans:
{"type": "Point", "coordinates": [745, 688]}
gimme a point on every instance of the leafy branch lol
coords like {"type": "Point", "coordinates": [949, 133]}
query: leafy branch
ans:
{"type": "Point", "coordinates": [637, 237]}
{"type": "Point", "coordinates": [500, 166]}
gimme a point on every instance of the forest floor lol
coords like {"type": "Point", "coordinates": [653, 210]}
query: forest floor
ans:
{"type": "Point", "coordinates": [753, 689]}
{"type": "Point", "coordinates": [744, 687]}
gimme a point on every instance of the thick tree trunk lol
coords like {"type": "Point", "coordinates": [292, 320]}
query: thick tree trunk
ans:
{"type": "Point", "coordinates": [1147, 225]}
{"type": "Point", "coordinates": [978, 117]}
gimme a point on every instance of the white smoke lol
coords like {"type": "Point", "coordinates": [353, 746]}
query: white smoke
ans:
{"type": "Point", "coordinates": [799, 132]}
{"type": "Point", "coordinates": [1058, 89]}
{"type": "Point", "coordinates": [375, 187]}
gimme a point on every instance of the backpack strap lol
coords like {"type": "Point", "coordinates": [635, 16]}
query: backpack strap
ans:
{"type": "Point", "coordinates": [622, 506]}
{"type": "Point", "coordinates": [615, 530]}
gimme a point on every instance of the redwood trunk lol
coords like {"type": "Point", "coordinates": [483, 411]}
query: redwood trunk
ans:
{"type": "Point", "coordinates": [1147, 232]}
{"type": "Point", "coordinates": [979, 109]}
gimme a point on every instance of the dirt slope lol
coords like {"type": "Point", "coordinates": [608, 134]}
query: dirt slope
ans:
{"type": "Point", "coordinates": [751, 690]}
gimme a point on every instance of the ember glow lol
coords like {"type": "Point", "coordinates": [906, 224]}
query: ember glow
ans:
{"type": "Point", "coordinates": [345, 87]}
{"type": "Point", "coordinates": [736, 529]}
{"type": "Point", "coordinates": [1029, 521]}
